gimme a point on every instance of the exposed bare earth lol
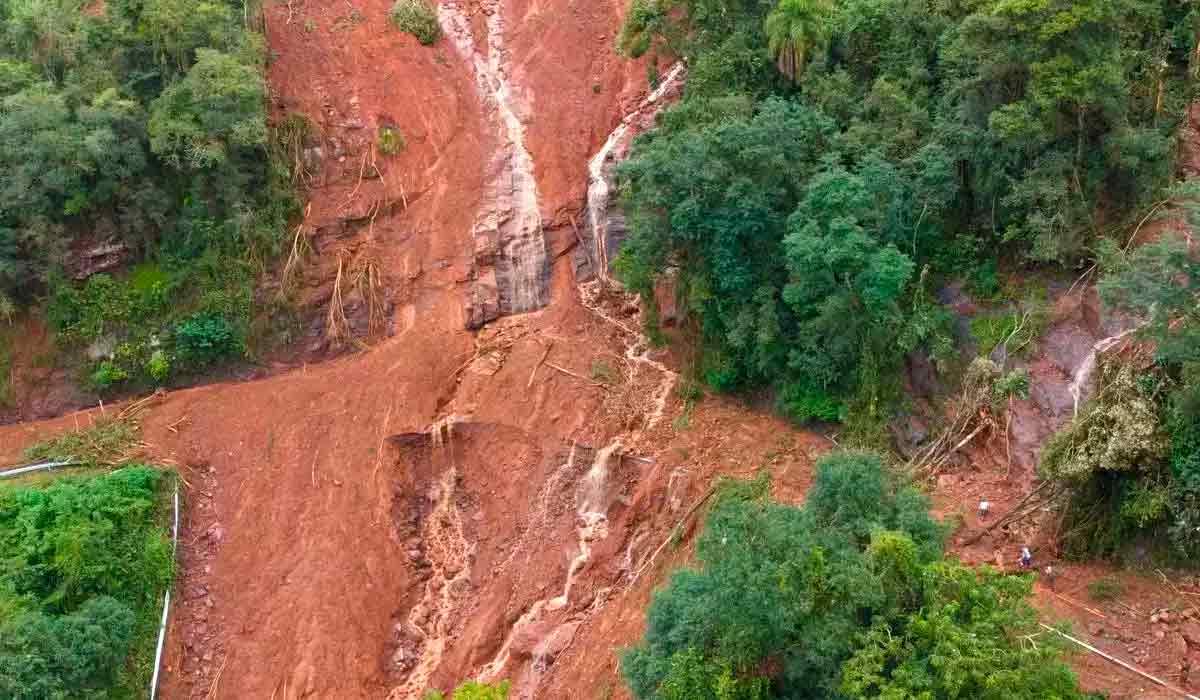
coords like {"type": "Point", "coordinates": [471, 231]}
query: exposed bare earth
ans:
{"type": "Point", "coordinates": [495, 503]}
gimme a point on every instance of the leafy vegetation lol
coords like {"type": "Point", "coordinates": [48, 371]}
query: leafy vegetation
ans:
{"type": "Point", "coordinates": [107, 442]}
{"type": "Point", "coordinates": [1133, 456]}
{"type": "Point", "coordinates": [140, 127]}
{"type": "Point", "coordinates": [802, 198]}
{"type": "Point", "coordinates": [1103, 589]}
{"type": "Point", "coordinates": [417, 17]}
{"type": "Point", "coordinates": [83, 565]}
{"type": "Point", "coordinates": [472, 690]}
{"type": "Point", "coordinates": [391, 141]}
{"type": "Point", "coordinates": [846, 597]}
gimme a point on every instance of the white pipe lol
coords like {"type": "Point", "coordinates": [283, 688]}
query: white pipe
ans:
{"type": "Point", "coordinates": [162, 638]}
{"type": "Point", "coordinates": [36, 467]}
{"type": "Point", "coordinates": [1122, 664]}
{"type": "Point", "coordinates": [162, 625]}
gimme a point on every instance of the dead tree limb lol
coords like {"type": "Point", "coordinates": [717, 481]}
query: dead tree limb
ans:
{"type": "Point", "coordinates": [569, 373]}
{"type": "Point", "coordinates": [539, 364]}
{"type": "Point", "coordinates": [1016, 513]}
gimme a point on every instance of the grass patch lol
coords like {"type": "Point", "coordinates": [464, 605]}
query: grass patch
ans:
{"type": "Point", "coordinates": [109, 441]}
{"type": "Point", "coordinates": [689, 391]}
{"type": "Point", "coordinates": [418, 18]}
{"type": "Point", "coordinates": [605, 373]}
{"type": "Point", "coordinates": [1103, 589]}
{"type": "Point", "coordinates": [391, 141]}
{"type": "Point", "coordinates": [84, 562]}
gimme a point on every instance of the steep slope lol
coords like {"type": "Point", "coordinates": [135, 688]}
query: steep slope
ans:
{"type": "Point", "coordinates": [436, 506]}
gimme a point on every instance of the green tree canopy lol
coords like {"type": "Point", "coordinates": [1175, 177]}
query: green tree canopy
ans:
{"type": "Point", "coordinates": [846, 597]}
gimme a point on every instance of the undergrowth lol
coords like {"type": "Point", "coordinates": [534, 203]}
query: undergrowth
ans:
{"type": "Point", "coordinates": [109, 441]}
{"type": "Point", "coordinates": [473, 690]}
{"type": "Point", "coordinates": [418, 18]}
{"type": "Point", "coordinates": [83, 565]}
{"type": "Point", "coordinates": [390, 141]}
{"type": "Point", "coordinates": [1103, 589]}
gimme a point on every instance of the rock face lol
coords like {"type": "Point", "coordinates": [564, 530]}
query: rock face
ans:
{"type": "Point", "coordinates": [605, 227]}
{"type": "Point", "coordinates": [511, 271]}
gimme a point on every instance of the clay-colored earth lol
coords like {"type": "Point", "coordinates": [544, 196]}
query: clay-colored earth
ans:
{"type": "Point", "coordinates": [446, 504]}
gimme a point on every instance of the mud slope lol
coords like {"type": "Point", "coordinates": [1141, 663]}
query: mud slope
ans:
{"type": "Point", "coordinates": [449, 501]}
{"type": "Point", "coordinates": [493, 487]}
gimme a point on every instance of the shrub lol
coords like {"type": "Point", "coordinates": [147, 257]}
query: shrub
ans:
{"type": "Point", "coordinates": [472, 690]}
{"type": "Point", "coordinates": [159, 366]}
{"type": "Point", "coordinates": [803, 404]}
{"type": "Point", "coordinates": [108, 374]}
{"type": "Point", "coordinates": [79, 654]}
{"type": "Point", "coordinates": [1014, 384]}
{"type": "Point", "coordinates": [391, 141]}
{"type": "Point", "coordinates": [418, 18]}
{"type": "Point", "coordinates": [205, 338]}
{"type": "Point", "coordinates": [847, 596]}
{"type": "Point", "coordinates": [83, 563]}
{"type": "Point", "coordinates": [1103, 589]}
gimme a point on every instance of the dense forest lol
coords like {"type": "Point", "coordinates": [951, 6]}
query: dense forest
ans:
{"type": "Point", "coordinates": [846, 597]}
{"type": "Point", "coordinates": [806, 198]}
{"type": "Point", "coordinates": [832, 166]}
{"type": "Point", "coordinates": [137, 128]}
{"type": "Point", "coordinates": [83, 566]}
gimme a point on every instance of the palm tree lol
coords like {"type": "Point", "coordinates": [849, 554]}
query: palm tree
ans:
{"type": "Point", "coordinates": [794, 29]}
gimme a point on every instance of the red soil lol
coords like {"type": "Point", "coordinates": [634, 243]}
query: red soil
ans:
{"type": "Point", "coordinates": [331, 547]}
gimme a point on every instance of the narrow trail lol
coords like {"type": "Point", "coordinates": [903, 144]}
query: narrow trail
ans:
{"type": "Point", "coordinates": [511, 266]}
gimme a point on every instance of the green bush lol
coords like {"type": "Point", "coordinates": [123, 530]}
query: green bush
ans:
{"type": "Point", "coordinates": [83, 565]}
{"type": "Point", "coordinates": [846, 597]}
{"type": "Point", "coordinates": [1014, 384]}
{"type": "Point", "coordinates": [75, 655]}
{"type": "Point", "coordinates": [391, 141]}
{"type": "Point", "coordinates": [107, 374]}
{"type": "Point", "coordinates": [418, 18]}
{"type": "Point", "coordinates": [472, 690]}
{"type": "Point", "coordinates": [206, 338]}
{"type": "Point", "coordinates": [1103, 589]}
{"type": "Point", "coordinates": [159, 366]}
{"type": "Point", "coordinates": [803, 403]}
